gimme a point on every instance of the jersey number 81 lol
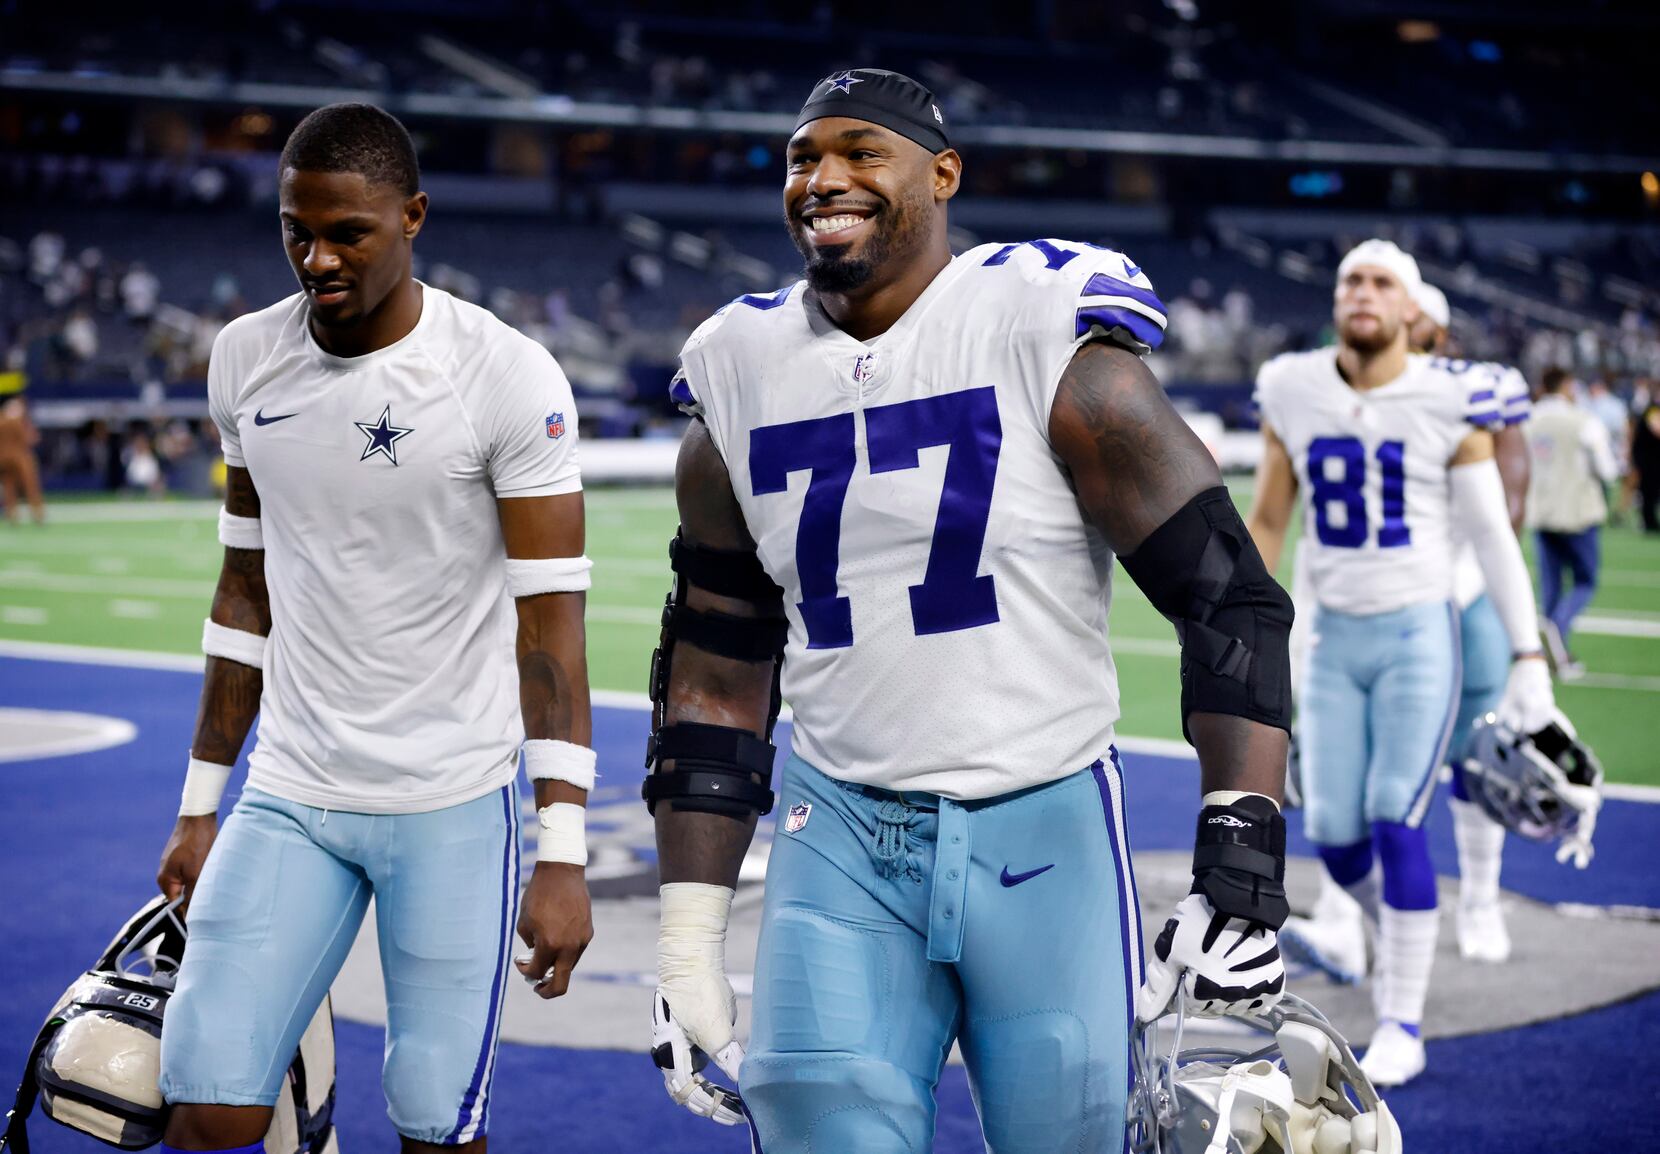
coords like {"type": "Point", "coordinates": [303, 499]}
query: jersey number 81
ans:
{"type": "Point", "coordinates": [1347, 490]}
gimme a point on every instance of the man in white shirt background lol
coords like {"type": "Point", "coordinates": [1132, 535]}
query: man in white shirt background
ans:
{"type": "Point", "coordinates": [1572, 461]}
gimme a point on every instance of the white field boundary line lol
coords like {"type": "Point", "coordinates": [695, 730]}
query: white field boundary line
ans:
{"type": "Point", "coordinates": [610, 698]}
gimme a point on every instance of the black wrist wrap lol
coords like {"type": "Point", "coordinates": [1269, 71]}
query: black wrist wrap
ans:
{"type": "Point", "coordinates": [1239, 860]}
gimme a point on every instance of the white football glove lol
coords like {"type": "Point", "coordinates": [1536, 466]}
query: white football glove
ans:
{"type": "Point", "coordinates": [1528, 704]}
{"type": "Point", "coordinates": [694, 1009]}
{"type": "Point", "coordinates": [1587, 799]}
{"type": "Point", "coordinates": [1227, 965]}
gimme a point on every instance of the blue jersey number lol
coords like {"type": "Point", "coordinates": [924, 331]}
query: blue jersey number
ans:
{"type": "Point", "coordinates": [952, 594]}
{"type": "Point", "coordinates": [1347, 490]}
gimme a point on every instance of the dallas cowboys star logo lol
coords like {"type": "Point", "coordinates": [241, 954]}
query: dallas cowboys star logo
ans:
{"type": "Point", "coordinates": [383, 436]}
{"type": "Point", "coordinates": [842, 82]}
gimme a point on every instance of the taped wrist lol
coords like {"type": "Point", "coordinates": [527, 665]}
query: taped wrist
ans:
{"type": "Point", "coordinates": [204, 785]}
{"type": "Point", "coordinates": [1239, 860]}
{"type": "Point", "coordinates": [1202, 571]}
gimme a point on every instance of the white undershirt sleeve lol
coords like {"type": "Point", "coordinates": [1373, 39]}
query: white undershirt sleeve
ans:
{"type": "Point", "coordinates": [1481, 517]}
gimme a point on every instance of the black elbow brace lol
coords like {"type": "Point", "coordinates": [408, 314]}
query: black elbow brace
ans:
{"type": "Point", "coordinates": [717, 769]}
{"type": "Point", "coordinates": [1202, 571]}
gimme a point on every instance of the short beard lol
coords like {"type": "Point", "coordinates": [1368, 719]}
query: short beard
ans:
{"type": "Point", "coordinates": [1371, 345]}
{"type": "Point", "coordinates": [832, 270]}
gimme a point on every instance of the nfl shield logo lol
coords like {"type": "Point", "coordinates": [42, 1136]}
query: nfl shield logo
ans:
{"type": "Point", "coordinates": [798, 817]}
{"type": "Point", "coordinates": [556, 426]}
{"type": "Point", "coordinates": [864, 368]}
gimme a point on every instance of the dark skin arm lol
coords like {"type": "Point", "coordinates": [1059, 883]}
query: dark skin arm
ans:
{"type": "Point", "coordinates": [555, 919]}
{"type": "Point", "coordinates": [1134, 462]}
{"type": "Point", "coordinates": [707, 847]}
{"type": "Point", "coordinates": [1515, 466]}
{"type": "Point", "coordinates": [230, 690]}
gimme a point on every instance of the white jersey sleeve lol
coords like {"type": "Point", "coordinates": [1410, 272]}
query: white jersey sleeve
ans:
{"type": "Point", "coordinates": [529, 431]}
{"type": "Point", "coordinates": [223, 381]}
{"type": "Point", "coordinates": [1071, 297]}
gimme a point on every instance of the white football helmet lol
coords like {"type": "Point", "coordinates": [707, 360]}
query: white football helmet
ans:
{"type": "Point", "coordinates": [96, 1064]}
{"type": "Point", "coordinates": [1301, 1093]}
{"type": "Point", "coordinates": [1544, 786]}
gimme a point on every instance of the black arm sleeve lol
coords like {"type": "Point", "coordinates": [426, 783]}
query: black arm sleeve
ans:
{"type": "Point", "coordinates": [1202, 571]}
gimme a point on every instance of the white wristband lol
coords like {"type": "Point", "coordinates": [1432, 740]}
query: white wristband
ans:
{"type": "Point", "coordinates": [526, 578]}
{"type": "Point", "coordinates": [237, 532]}
{"type": "Point", "coordinates": [233, 644]}
{"type": "Point", "coordinates": [204, 785]}
{"type": "Point", "coordinates": [547, 760]}
{"type": "Point", "coordinates": [563, 836]}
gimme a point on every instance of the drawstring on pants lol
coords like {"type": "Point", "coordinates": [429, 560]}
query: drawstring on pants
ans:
{"type": "Point", "coordinates": [892, 820]}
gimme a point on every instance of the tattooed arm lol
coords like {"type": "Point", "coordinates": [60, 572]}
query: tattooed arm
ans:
{"type": "Point", "coordinates": [555, 919]}
{"type": "Point", "coordinates": [704, 687]}
{"type": "Point", "coordinates": [230, 690]}
{"type": "Point", "coordinates": [1134, 462]}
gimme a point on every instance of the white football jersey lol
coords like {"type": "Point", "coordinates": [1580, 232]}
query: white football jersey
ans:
{"type": "Point", "coordinates": [1372, 469]}
{"type": "Point", "coordinates": [391, 684]}
{"type": "Point", "coordinates": [1509, 404]}
{"type": "Point", "coordinates": [947, 602]}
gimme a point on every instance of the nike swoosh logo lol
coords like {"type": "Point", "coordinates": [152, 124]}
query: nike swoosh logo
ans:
{"type": "Point", "coordinates": [1131, 270]}
{"type": "Point", "coordinates": [1010, 879]}
{"type": "Point", "coordinates": [261, 419]}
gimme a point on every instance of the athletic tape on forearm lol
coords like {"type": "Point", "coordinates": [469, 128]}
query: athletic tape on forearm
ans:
{"type": "Point", "coordinates": [204, 785]}
{"type": "Point", "coordinates": [1481, 516]}
{"type": "Point", "coordinates": [691, 935]}
{"type": "Point", "coordinates": [563, 833]}
{"type": "Point", "coordinates": [548, 575]}
{"type": "Point", "coordinates": [233, 644]}
{"type": "Point", "coordinates": [565, 761]}
{"type": "Point", "coordinates": [237, 532]}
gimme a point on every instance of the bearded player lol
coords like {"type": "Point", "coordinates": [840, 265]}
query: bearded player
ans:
{"type": "Point", "coordinates": [908, 480]}
{"type": "Point", "coordinates": [1394, 453]}
{"type": "Point", "coordinates": [404, 510]}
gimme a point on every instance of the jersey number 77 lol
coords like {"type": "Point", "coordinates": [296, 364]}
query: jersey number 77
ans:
{"type": "Point", "coordinates": [952, 594]}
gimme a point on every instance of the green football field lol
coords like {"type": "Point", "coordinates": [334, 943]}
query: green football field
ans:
{"type": "Point", "coordinates": [140, 576]}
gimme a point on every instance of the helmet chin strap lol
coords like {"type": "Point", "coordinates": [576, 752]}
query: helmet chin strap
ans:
{"type": "Point", "coordinates": [1263, 1090]}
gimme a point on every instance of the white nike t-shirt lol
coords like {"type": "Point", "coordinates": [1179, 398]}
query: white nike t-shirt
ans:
{"type": "Point", "coordinates": [390, 679]}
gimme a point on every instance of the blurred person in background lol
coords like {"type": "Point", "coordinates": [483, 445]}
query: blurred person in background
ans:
{"type": "Point", "coordinates": [19, 469]}
{"type": "Point", "coordinates": [1572, 461]}
{"type": "Point", "coordinates": [142, 467]}
{"type": "Point", "coordinates": [1645, 458]}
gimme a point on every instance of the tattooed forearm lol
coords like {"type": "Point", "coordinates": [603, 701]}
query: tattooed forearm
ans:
{"type": "Point", "coordinates": [230, 690]}
{"type": "Point", "coordinates": [1133, 460]}
{"type": "Point", "coordinates": [230, 701]}
{"type": "Point", "coordinates": [553, 669]}
{"type": "Point", "coordinates": [544, 696]}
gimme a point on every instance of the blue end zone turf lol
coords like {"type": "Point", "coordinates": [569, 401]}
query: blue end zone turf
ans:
{"type": "Point", "coordinates": [85, 832]}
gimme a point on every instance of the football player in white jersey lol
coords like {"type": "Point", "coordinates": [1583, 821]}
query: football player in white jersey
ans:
{"type": "Point", "coordinates": [403, 508]}
{"type": "Point", "coordinates": [908, 479]}
{"type": "Point", "coordinates": [1334, 938]}
{"type": "Point", "coordinates": [1395, 455]}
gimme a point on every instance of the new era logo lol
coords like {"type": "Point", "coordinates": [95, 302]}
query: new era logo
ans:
{"type": "Point", "coordinates": [556, 426]}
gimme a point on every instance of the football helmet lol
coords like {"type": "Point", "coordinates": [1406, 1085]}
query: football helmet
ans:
{"type": "Point", "coordinates": [95, 1066]}
{"type": "Point", "coordinates": [1544, 786]}
{"type": "Point", "coordinates": [1302, 1092]}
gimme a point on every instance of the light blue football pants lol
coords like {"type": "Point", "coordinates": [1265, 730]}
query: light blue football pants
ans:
{"type": "Point", "coordinates": [276, 910]}
{"type": "Point", "coordinates": [897, 924]}
{"type": "Point", "coordinates": [1375, 717]}
{"type": "Point", "coordinates": [1486, 648]}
